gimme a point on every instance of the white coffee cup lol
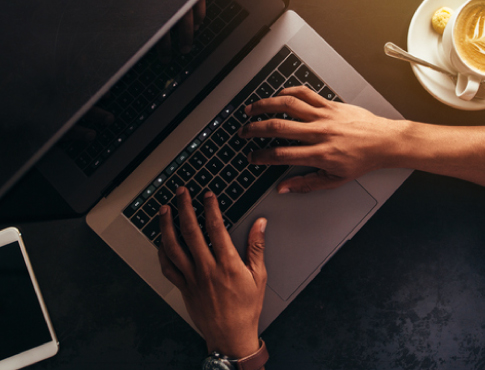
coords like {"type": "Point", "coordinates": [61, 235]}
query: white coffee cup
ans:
{"type": "Point", "coordinates": [463, 47]}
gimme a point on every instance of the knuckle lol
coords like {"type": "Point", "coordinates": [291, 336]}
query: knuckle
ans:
{"type": "Point", "coordinates": [276, 125]}
{"type": "Point", "coordinates": [279, 154]}
{"type": "Point", "coordinates": [189, 233]}
{"type": "Point", "coordinates": [289, 101]}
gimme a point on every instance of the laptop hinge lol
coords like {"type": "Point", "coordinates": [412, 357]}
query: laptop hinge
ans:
{"type": "Point", "coordinates": [185, 112]}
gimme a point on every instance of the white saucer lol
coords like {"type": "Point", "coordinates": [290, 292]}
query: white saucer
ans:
{"type": "Point", "coordinates": [423, 42]}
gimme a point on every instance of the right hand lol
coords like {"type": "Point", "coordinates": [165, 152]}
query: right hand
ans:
{"type": "Point", "coordinates": [342, 140]}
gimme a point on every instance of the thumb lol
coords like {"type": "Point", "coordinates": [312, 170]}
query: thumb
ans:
{"type": "Point", "coordinates": [255, 250]}
{"type": "Point", "coordinates": [313, 181]}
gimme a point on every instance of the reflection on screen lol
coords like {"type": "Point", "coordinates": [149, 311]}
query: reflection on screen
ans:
{"type": "Point", "coordinates": [22, 324]}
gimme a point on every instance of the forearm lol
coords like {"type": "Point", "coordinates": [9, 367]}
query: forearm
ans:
{"type": "Point", "coordinates": [455, 151]}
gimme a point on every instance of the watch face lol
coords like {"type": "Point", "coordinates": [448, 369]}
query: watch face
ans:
{"type": "Point", "coordinates": [215, 363]}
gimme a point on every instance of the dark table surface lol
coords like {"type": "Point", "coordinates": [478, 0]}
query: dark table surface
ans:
{"type": "Point", "coordinates": [407, 292]}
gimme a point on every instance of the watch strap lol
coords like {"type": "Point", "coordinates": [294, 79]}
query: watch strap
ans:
{"type": "Point", "coordinates": [255, 361]}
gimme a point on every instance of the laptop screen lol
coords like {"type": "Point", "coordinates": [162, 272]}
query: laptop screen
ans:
{"type": "Point", "coordinates": [55, 56]}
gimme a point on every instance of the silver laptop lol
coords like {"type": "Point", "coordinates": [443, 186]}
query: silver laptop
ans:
{"type": "Point", "coordinates": [187, 136]}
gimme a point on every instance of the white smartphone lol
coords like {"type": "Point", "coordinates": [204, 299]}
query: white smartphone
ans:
{"type": "Point", "coordinates": [26, 332]}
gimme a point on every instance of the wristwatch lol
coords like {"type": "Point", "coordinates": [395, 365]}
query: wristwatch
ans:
{"type": "Point", "coordinates": [256, 361]}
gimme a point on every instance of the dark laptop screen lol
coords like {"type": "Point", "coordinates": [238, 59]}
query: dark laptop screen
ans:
{"type": "Point", "coordinates": [55, 56]}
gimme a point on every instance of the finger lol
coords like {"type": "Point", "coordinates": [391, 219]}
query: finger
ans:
{"type": "Point", "coordinates": [199, 13]}
{"type": "Point", "coordinates": [164, 49]}
{"type": "Point", "coordinates": [190, 229]}
{"type": "Point", "coordinates": [294, 155]}
{"type": "Point", "coordinates": [222, 245]}
{"type": "Point", "coordinates": [255, 251]}
{"type": "Point", "coordinates": [307, 95]}
{"type": "Point", "coordinates": [289, 104]}
{"type": "Point", "coordinates": [280, 128]}
{"type": "Point", "coordinates": [319, 180]}
{"type": "Point", "coordinates": [185, 29]}
{"type": "Point", "coordinates": [170, 245]}
{"type": "Point", "coordinates": [170, 271]}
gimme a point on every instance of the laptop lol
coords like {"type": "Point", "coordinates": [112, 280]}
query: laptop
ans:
{"type": "Point", "coordinates": [177, 124]}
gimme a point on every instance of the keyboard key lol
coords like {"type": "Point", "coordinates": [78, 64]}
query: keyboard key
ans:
{"type": "Point", "coordinates": [240, 162]}
{"type": "Point", "coordinates": [198, 160]}
{"type": "Point", "coordinates": [237, 143]}
{"type": "Point", "coordinates": [289, 65]}
{"type": "Point", "coordinates": [226, 153]}
{"type": "Point", "coordinates": [193, 188]}
{"type": "Point", "coordinates": [215, 165]}
{"type": "Point", "coordinates": [164, 196]}
{"type": "Point", "coordinates": [256, 169]}
{"type": "Point", "coordinates": [140, 219]}
{"type": "Point", "coordinates": [327, 93]}
{"type": "Point", "coordinates": [224, 202]}
{"type": "Point", "coordinates": [265, 91]}
{"type": "Point", "coordinates": [153, 228]}
{"type": "Point", "coordinates": [208, 148]}
{"type": "Point", "coordinates": [186, 172]}
{"type": "Point", "coordinates": [174, 182]}
{"type": "Point", "coordinates": [130, 210]}
{"type": "Point", "coordinates": [276, 80]}
{"type": "Point", "coordinates": [203, 177]}
{"type": "Point", "coordinates": [241, 115]}
{"type": "Point", "coordinates": [151, 207]}
{"type": "Point", "coordinates": [234, 190]}
{"type": "Point", "coordinates": [220, 137]}
{"type": "Point", "coordinates": [245, 179]}
{"type": "Point", "coordinates": [229, 173]}
{"type": "Point", "coordinates": [252, 99]}
{"type": "Point", "coordinates": [231, 126]}
{"type": "Point", "coordinates": [292, 81]}
{"type": "Point", "coordinates": [217, 185]}
{"type": "Point", "coordinates": [307, 76]}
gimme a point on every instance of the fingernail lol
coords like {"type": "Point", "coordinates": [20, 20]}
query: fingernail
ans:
{"type": "Point", "coordinates": [264, 222]}
{"type": "Point", "coordinates": [163, 210]}
{"type": "Point", "coordinates": [209, 194]}
{"type": "Point", "coordinates": [284, 191]}
{"type": "Point", "coordinates": [248, 109]}
{"type": "Point", "coordinates": [180, 190]}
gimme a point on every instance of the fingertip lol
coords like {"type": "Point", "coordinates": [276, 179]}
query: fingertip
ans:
{"type": "Point", "coordinates": [284, 190]}
{"type": "Point", "coordinates": [262, 225]}
{"type": "Point", "coordinates": [163, 210]}
{"type": "Point", "coordinates": [248, 109]}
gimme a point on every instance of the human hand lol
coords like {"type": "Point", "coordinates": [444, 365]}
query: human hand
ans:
{"type": "Point", "coordinates": [184, 29]}
{"type": "Point", "coordinates": [223, 295]}
{"type": "Point", "coordinates": [342, 140]}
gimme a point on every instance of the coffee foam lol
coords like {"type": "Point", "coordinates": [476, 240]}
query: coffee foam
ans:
{"type": "Point", "coordinates": [469, 34]}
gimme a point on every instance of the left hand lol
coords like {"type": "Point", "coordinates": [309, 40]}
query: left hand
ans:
{"type": "Point", "coordinates": [223, 295]}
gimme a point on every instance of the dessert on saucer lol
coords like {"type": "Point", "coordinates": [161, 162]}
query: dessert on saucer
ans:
{"type": "Point", "coordinates": [424, 42]}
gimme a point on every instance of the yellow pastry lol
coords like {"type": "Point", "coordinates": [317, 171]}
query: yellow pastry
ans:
{"type": "Point", "coordinates": [440, 19]}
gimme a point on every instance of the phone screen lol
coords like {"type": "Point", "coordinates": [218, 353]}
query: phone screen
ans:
{"type": "Point", "coordinates": [22, 323]}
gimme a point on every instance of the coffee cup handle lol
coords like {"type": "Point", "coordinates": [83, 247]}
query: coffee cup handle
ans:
{"type": "Point", "coordinates": [467, 86]}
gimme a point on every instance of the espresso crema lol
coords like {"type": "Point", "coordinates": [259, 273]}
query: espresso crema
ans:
{"type": "Point", "coordinates": [469, 35]}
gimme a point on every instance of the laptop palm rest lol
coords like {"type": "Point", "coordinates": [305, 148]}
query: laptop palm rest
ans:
{"type": "Point", "coordinates": [304, 230]}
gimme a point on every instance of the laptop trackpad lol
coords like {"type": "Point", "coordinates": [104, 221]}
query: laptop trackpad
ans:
{"type": "Point", "coordinates": [304, 229]}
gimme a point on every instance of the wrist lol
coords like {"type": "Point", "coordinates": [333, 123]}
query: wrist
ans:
{"type": "Point", "coordinates": [235, 347]}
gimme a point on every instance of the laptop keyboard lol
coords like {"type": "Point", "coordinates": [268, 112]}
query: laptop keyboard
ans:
{"type": "Point", "coordinates": [147, 85]}
{"type": "Point", "coordinates": [216, 159]}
